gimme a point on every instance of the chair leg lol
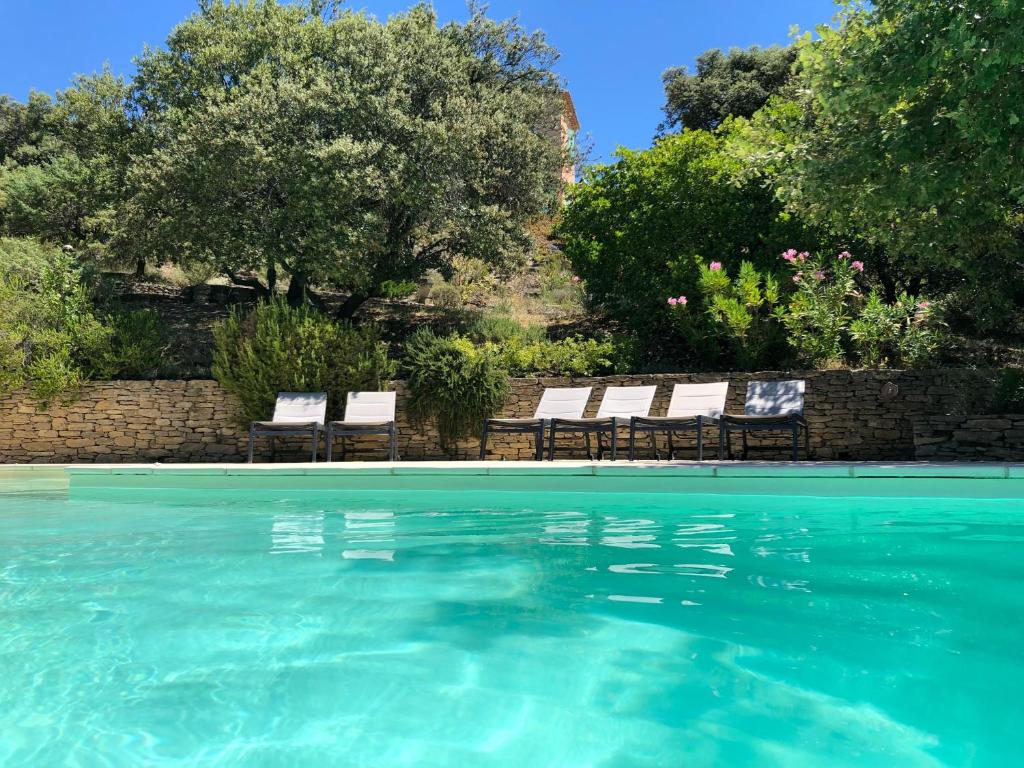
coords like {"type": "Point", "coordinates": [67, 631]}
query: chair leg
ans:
{"type": "Point", "coordinates": [590, 451]}
{"type": "Point", "coordinates": [796, 442]}
{"type": "Point", "coordinates": [746, 445]}
{"type": "Point", "coordinates": [700, 439]}
{"type": "Point", "coordinates": [632, 440]}
{"type": "Point", "coordinates": [723, 435]}
{"type": "Point", "coordinates": [328, 444]}
{"type": "Point", "coordinates": [654, 445]}
{"type": "Point", "coordinates": [615, 436]}
{"type": "Point", "coordinates": [551, 443]}
{"type": "Point", "coordinates": [807, 443]}
{"type": "Point", "coordinates": [671, 447]}
{"type": "Point", "coordinates": [273, 448]}
{"type": "Point", "coordinates": [483, 444]}
{"type": "Point", "coordinates": [316, 439]}
{"type": "Point", "coordinates": [538, 439]}
{"type": "Point", "coordinates": [393, 443]}
{"type": "Point", "coordinates": [252, 437]}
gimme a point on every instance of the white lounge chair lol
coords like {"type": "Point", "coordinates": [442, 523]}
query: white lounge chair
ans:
{"type": "Point", "coordinates": [556, 403]}
{"type": "Point", "coordinates": [618, 406]}
{"type": "Point", "coordinates": [296, 414]}
{"type": "Point", "coordinates": [770, 405]}
{"type": "Point", "coordinates": [366, 413]}
{"type": "Point", "coordinates": [692, 407]}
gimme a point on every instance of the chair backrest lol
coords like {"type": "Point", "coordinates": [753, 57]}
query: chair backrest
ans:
{"type": "Point", "coordinates": [563, 403]}
{"type": "Point", "coordinates": [774, 398]}
{"type": "Point", "coordinates": [369, 407]}
{"type": "Point", "coordinates": [626, 401]}
{"type": "Point", "coordinates": [698, 399]}
{"type": "Point", "coordinates": [297, 407]}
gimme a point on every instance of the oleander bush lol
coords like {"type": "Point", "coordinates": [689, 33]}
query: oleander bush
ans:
{"type": "Point", "coordinates": [278, 348]}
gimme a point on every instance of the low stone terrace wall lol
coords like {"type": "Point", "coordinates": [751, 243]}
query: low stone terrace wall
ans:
{"type": "Point", "coordinates": [856, 415]}
{"type": "Point", "coordinates": [998, 437]}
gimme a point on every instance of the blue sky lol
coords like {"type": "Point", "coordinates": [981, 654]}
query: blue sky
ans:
{"type": "Point", "coordinates": [613, 51]}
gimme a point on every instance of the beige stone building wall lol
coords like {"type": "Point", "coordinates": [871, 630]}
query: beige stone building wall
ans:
{"type": "Point", "coordinates": [866, 415]}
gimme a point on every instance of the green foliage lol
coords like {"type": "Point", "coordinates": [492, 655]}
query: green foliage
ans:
{"type": "Point", "coordinates": [277, 348]}
{"type": "Point", "coordinates": [743, 311]}
{"type": "Point", "coordinates": [138, 344]}
{"type": "Point", "coordinates": [632, 231]}
{"type": "Point", "coordinates": [818, 313]}
{"type": "Point", "coordinates": [573, 356]}
{"type": "Point", "coordinates": [50, 339]}
{"type": "Point", "coordinates": [324, 143]}
{"type": "Point", "coordinates": [453, 383]}
{"type": "Point", "coordinates": [500, 327]}
{"type": "Point", "coordinates": [398, 289]}
{"type": "Point", "coordinates": [904, 334]}
{"type": "Point", "coordinates": [734, 84]}
{"type": "Point", "coordinates": [1009, 394]}
{"type": "Point", "coordinates": [65, 182]}
{"type": "Point", "coordinates": [915, 135]}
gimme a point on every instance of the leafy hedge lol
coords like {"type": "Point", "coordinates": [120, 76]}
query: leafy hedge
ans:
{"type": "Point", "coordinates": [278, 348]}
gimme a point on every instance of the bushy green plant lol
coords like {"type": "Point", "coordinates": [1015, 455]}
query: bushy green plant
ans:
{"type": "Point", "coordinates": [906, 333]}
{"type": "Point", "coordinates": [818, 313]}
{"type": "Point", "coordinates": [453, 383]}
{"type": "Point", "coordinates": [138, 345]}
{"type": "Point", "coordinates": [398, 289]}
{"type": "Point", "coordinates": [573, 356]}
{"type": "Point", "coordinates": [1009, 394]}
{"type": "Point", "coordinates": [276, 347]}
{"type": "Point", "coordinates": [50, 339]}
{"type": "Point", "coordinates": [742, 311]}
{"type": "Point", "coordinates": [501, 327]}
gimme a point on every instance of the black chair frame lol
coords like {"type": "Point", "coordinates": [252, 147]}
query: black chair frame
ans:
{"type": "Point", "coordinates": [341, 429]}
{"type": "Point", "coordinates": [587, 427]}
{"type": "Point", "coordinates": [794, 423]}
{"type": "Point", "coordinates": [533, 427]}
{"type": "Point", "coordinates": [669, 424]}
{"type": "Point", "coordinates": [267, 429]}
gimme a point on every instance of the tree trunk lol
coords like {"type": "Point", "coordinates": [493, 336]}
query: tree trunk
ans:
{"type": "Point", "coordinates": [297, 289]}
{"type": "Point", "coordinates": [352, 305]}
{"type": "Point", "coordinates": [271, 277]}
{"type": "Point", "coordinates": [140, 268]}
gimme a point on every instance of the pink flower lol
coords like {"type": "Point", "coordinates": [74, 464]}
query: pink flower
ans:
{"type": "Point", "coordinates": [673, 300]}
{"type": "Point", "coordinates": [575, 278]}
{"type": "Point", "coordinates": [819, 275]}
{"type": "Point", "coordinates": [714, 266]}
{"type": "Point", "coordinates": [857, 265]}
{"type": "Point", "coordinates": [798, 277]}
{"type": "Point", "coordinates": [790, 255]}
{"type": "Point", "coordinates": [682, 300]}
{"type": "Point", "coordinates": [845, 256]}
{"type": "Point", "coordinates": [802, 256]}
{"type": "Point", "coordinates": [923, 305]}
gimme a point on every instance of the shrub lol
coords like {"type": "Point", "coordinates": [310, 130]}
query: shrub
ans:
{"type": "Point", "coordinates": [906, 333]}
{"type": "Point", "coordinates": [501, 327]}
{"type": "Point", "coordinates": [818, 313]}
{"type": "Point", "coordinates": [742, 313]}
{"type": "Point", "coordinates": [276, 348]}
{"type": "Point", "coordinates": [453, 383]}
{"type": "Point", "coordinates": [573, 356]}
{"type": "Point", "coordinates": [1009, 394]}
{"type": "Point", "coordinates": [50, 338]}
{"type": "Point", "coordinates": [398, 289]}
{"type": "Point", "coordinates": [138, 345]}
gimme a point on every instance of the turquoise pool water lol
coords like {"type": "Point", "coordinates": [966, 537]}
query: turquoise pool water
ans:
{"type": "Point", "coordinates": [447, 628]}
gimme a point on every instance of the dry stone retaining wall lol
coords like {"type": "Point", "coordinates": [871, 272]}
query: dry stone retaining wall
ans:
{"type": "Point", "coordinates": [970, 438]}
{"type": "Point", "coordinates": [867, 415]}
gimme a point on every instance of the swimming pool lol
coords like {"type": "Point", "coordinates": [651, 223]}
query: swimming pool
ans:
{"type": "Point", "coordinates": [535, 621]}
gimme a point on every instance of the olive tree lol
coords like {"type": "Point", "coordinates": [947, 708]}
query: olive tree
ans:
{"type": "Point", "coordinates": [338, 150]}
